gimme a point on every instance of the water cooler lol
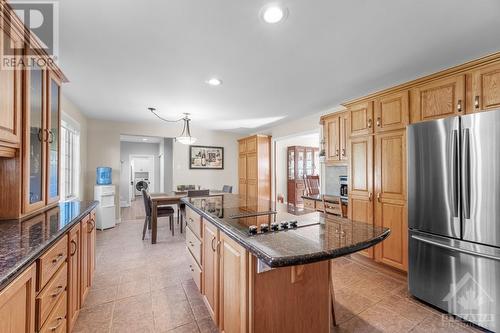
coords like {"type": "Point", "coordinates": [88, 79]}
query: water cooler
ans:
{"type": "Point", "coordinates": [105, 193]}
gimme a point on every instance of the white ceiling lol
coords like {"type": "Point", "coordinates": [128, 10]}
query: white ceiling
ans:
{"type": "Point", "coordinates": [122, 56]}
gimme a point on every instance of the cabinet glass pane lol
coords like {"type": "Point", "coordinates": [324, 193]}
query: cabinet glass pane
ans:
{"type": "Point", "coordinates": [291, 165]}
{"type": "Point", "coordinates": [300, 165]}
{"type": "Point", "coordinates": [36, 144]}
{"type": "Point", "coordinates": [309, 163]}
{"type": "Point", "coordinates": [54, 140]}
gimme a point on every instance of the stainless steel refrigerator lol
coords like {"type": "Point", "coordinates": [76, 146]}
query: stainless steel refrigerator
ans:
{"type": "Point", "coordinates": [454, 215]}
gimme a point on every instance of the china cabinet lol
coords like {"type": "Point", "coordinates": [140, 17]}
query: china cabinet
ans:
{"type": "Point", "coordinates": [301, 161]}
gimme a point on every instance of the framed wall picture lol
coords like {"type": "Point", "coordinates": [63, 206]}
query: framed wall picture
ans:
{"type": "Point", "coordinates": [206, 157]}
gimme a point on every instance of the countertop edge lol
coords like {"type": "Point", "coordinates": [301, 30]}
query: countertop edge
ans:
{"type": "Point", "coordinates": [32, 257]}
{"type": "Point", "coordinates": [294, 260]}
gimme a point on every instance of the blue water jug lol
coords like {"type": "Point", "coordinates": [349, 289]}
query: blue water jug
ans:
{"type": "Point", "coordinates": [103, 176]}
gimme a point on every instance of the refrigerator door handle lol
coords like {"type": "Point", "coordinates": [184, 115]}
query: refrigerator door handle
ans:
{"type": "Point", "coordinates": [456, 161]}
{"type": "Point", "coordinates": [466, 173]}
{"type": "Point", "coordinates": [453, 248]}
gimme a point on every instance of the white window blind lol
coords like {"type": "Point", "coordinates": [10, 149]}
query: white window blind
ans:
{"type": "Point", "coordinates": [70, 160]}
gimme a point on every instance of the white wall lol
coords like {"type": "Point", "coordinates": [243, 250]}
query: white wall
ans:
{"type": "Point", "coordinates": [104, 150]}
{"type": "Point", "coordinates": [137, 148]}
{"type": "Point", "coordinates": [70, 110]}
{"type": "Point", "coordinates": [311, 140]}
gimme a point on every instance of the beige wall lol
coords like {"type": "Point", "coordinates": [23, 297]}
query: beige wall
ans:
{"type": "Point", "coordinates": [71, 111]}
{"type": "Point", "coordinates": [104, 150]}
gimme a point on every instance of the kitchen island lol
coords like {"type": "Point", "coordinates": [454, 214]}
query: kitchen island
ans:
{"type": "Point", "coordinates": [266, 267]}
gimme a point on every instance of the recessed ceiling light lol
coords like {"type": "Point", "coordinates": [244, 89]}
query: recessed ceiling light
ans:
{"type": "Point", "coordinates": [214, 82]}
{"type": "Point", "coordinates": [144, 139]}
{"type": "Point", "coordinates": [273, 14]}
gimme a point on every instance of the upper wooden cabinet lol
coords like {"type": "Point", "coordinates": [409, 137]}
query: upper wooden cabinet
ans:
{"type": "Point", "coordinates": [486, 88]}
{"type": "Point", "coordinates": [335, 135]}
{"type": "Point", "coordinates": [438, 99]}
{"type": "Point", "coordinates": [392, 112]}
{"type": "Point", "coordinates": [10, 100]}
{"type": "Point", "coordinates": [361, 118]}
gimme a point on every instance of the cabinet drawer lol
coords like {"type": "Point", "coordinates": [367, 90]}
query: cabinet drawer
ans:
{"type": "Point", "coordinates": [193, 220]}
{"type": "Point", "coordinates": [309, 203]}
{"type": "Point", "coordinates": [50, 295]}
{"type": "Point", "coordinates": [195, 271]}
{"type": "Point", "coordinates": [50, 262]}
{"type": "Point", "coordinates": [193, 244]}
{"type": "Point", "coordinates": [57, 319]}
{"type": "Point", "coordinates": [320, 206]}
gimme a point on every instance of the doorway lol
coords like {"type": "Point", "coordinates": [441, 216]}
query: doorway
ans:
{"type": "Point", "coordinates": [294, 157]}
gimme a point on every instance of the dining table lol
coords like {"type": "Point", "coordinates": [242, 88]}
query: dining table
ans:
{"type": "Point", "coordinates": [166, 199]}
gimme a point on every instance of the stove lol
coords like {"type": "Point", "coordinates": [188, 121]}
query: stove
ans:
{"type": "Point", "coordinates": [275, 227]}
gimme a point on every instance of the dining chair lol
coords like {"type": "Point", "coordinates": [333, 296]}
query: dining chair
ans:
{"type": "Point", "coordinates": [227, 189]}
{"type": "Point", "coordinates": [312, 184]}
{"type": "Point", "coordinates": [332, 205]}
{"type": "Point", "coordinates": [162, 212]}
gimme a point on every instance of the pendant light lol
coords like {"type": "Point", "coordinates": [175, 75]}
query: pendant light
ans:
{"type": "Point", "coordinates": [185, 137]}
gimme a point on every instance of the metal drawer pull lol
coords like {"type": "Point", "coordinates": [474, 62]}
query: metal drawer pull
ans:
{"type": "Point", "coordinates": [459, 106]}
{"type": "Point", "coordinates": [378, 121]}
{"type": "Point", "coordinates": [370, 122]}
{"type": "Point", "coordinates": [60, 289]}
{"type": "Point", "coordinates": [213, 247]}
{"type": "Point", "coordinates": [57, 258]}
{"type": "Point", "coordinates": [59, 322]}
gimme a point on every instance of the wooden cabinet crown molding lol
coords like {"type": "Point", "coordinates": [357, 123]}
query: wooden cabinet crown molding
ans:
{"type": "Point", "coordinates": [456, 70]}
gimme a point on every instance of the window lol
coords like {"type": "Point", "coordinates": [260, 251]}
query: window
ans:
{"type": "Point", "coordinates": [70, 160]}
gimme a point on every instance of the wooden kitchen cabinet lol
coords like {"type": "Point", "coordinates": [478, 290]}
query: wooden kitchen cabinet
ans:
{"type": "Point", "coordinates": [392, 112]}
{"type": "Point", "coordinates": [335, 137]}
{"type": "Point", "coordinates": [84, 259]}
{"type": "Point", "coordinates": [17, 304]}
{"type": "Point", "coordinates": [390, 203]}
{"type": "Point", "coordinates": [211, 270]}
{"type": "Point", "coordinates": [486, 88]}
{"type": "Point", "coordinates": [438, 99]}
{"type": "Point", "coordinates": [74, 275]}
{"type": "Point", "coordinates": [233, 315]}
{"type": "Point", "coordinates": [10, 98]}
{"type": "Point", "coordinates": [254, 169]}
{"type": "Point", "coordinates": [52, 129]}
{"type": "Point", "coordinates": [361, 118]}
{"type": "Point", "coordinates": [360, 207]}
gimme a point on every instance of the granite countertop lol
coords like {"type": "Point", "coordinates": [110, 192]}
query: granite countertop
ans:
{"type": "Point", "coordinates": [22, 241]}
{"type": "Point", "coordinates": [318, 237]}
{"type": "Point", "coordinates": [316, 197]}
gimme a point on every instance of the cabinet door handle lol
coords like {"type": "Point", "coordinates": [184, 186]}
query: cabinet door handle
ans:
{"type": "Point", "coordinates": [343, 152]}
{"type": "Point", "coordinates": [459, 105]}
{"type": "Point", "coordinates": [93, 226]}
{"type": "Point", "coordinates": [50, 136]}
{"type": "Point", "coordinates": [213, 246]}
{"type": "Point", "coordinates": [378, 197]}
{"type": "Point", "coordinates": [370, 123]}
{"type": "Point", "coordinates": [370, 196]}
{"type": "Point", "coordinates": [74, 244]}
{"type": "Point", "coordinates": [41, 135]}
{"type": "Point", "coordinates": [337, 152]}
{"type": "Point", "coordinates": [378, 121]}
{"type": "Point", "coordinates": [476, 102]}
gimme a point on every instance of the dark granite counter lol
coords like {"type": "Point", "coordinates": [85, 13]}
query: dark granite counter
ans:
{"type": "Point", "coordinates": [23, 241]}
{"type": "Point", "coordinates": [318, 237]}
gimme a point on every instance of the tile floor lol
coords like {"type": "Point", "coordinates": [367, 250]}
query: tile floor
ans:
{"type": "Point", "coordinates": [140, 287]}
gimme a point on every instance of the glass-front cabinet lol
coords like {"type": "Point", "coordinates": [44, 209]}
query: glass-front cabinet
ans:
{"type": "Point", "coordinates": [301, 161]}
{"type": "Point", "coordinates": [53, 140]}
{"type": "Point", "coordinates": [41, 155]}
{"type": "Point", "coordinates": [34, 154]}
